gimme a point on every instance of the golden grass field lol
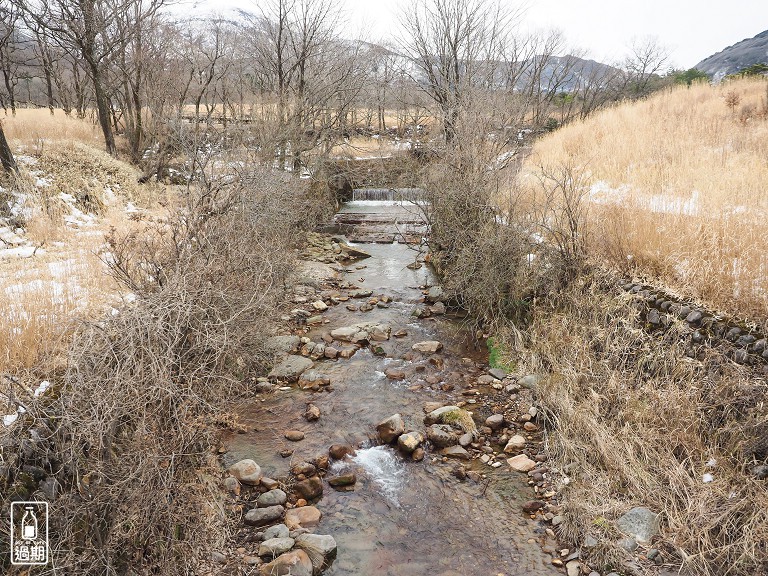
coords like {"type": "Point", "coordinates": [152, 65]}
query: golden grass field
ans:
{"type": "Point", "coordinates": [32, 127]}
{"type": "Point", "coordinates": [677, 189]}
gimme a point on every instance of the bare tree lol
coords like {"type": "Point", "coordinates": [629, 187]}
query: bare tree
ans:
{"type": "Point", "coordinates": [10, 50]}
{"type": "Point", "coordinates": [456, 46]}
{"type": "Point", "coordinates": [95, 30]}
{"type": "Point", "coordinates": [647, 60]}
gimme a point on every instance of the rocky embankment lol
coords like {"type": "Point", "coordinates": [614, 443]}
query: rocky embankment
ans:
{"type": "Point", "coordinates": [700, 329]}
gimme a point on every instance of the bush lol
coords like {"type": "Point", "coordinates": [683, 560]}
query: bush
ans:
{"type": "Point", "coordinates": [126, 432]}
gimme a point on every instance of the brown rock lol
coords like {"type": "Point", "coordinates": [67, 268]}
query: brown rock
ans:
{"type": "Point", "coordinates": [295, 563]}
{"type": "Point", "coordinates": [391, 428]}
{"type": "Point", "coordinates": [331, 352]}
{"type": "Point", "coordinates": [303, 468]}
{"type": "Point", "coordinates": [310, 488]}
{"type": "Point", "coordinates": [303, 517]}
{"type": "Point", "coordinates": [521, 463]}
{"type": "Point", "coordinates": [394, 374]}
{"type": "Point", "coordinates": [339, 451]}
{"type": "Point", "coordinates": [343, 480]}
{"type": "Point", "coordinates": [533, 506]}
{"type": "Point", "coordinates": [294, 435]}
{"type": "Point", "coordinates": [312, 413]}
{"type": "Point", "coordinates": [247, 472]}
{"type": "Point", "coordinates": [232, 485]}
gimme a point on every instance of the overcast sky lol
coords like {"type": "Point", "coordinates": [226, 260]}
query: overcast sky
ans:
{"type": "Point", "coordinates": [690, 29]}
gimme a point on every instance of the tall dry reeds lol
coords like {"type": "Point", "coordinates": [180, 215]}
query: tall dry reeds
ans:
{"type": "Point", "coordinates": [676, 188]}
{"type": "Point", "coordinates": [633, 421]}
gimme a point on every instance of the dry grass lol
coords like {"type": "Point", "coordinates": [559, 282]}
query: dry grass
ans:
{"type": "Point", "coordinates": [676, 185]}
{"type": "Point", "coordinates": [35, 127]}
{"type": "Point", "coordinates": [637, 423]}
{"type": "Point", "coordinates": [41, 296]}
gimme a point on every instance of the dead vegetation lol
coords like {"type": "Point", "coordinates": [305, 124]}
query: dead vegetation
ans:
{"type": "Point", "coordinates": [676, 189]}
{"type": "Point", "coordinates": [634, 421]}
{"type": "Point", "coordinates": [125, 434]}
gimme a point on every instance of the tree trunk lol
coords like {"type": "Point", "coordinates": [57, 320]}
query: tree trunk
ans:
{"type": "Point", "coordinates": [6, 156]}
{"type": "Point", "coordinates": [102, 107]}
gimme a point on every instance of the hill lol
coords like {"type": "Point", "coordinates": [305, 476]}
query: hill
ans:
{"type": "Point", "coordinates": [737, 57]}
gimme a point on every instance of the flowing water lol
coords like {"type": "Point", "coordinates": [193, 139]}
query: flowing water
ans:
{"type": "Point", "coordinates": [403, 518]}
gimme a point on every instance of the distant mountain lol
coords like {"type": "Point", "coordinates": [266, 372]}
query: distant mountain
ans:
{"type": "Point", "coordinates": [736, 57]}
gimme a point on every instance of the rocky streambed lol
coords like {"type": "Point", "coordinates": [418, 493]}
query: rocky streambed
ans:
{"type": "Point", "coordinates": [382, 443]}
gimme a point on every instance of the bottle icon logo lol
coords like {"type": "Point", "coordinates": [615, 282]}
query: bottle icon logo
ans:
{"type": "Point", "coordinates": [29, 524]}
{"type": "Point", "coordinates": [29, 533]}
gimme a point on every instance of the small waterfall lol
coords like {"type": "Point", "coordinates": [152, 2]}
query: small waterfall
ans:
{"type": "Point", "coordinates": [385, 468]}
{"type": "Point", "coordinates": [387, 194]}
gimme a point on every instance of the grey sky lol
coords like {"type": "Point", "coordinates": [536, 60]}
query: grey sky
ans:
{"type": "Point", "coordinates": [690, 29]}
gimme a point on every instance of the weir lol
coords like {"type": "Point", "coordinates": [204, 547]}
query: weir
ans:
{"type": "Point", "coordinates": [388, 194]}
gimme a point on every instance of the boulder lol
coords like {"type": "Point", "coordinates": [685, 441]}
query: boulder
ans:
{"type": "Point", "coordinates": [495, 422]}
{"type": "Point", "coordinates": [345, 333]}
{"type": "Point", "coordinates": [394, 373]}
{"type": "Point", "coordinates": [232, 485]}
{"type": "Point", "coordinates": [438, 414]}
{"type": "Point", "coordinates": [410, 441]}
{"type": "Point", "coordinates": [441, 435]}
{"type": "Point", "coordinates": [275, 546]}
{"type": "Point", "coordinates": [379, 332]}
{"type": "Point", "coordinates": [521, 463]}
{"type": "Point", "coordinates": [455, 452]}
{"type": "Point", "coordinates": [529, 381]}
{"type": "Point", "coordinates": [515, 444]}
{"type": "Point", "coordinates": [247, 472]}
{"type": "Point", "coordinates": [313, 379]}
{"type": "Point", "coordinates": [438, 309]}
{"type": "Point", "coordinates": [498, 373]}
{"type": "Point", "coordinates": [639, 523]}
{"type": "Point", "coordinates": [304, 517]}
{"type": "Point", "coordinates": [276, 531]}
{"type": "Point", "coordinates": [339, 451]}
{"type": "Point", "coordinates": [290, 368]}
{"type": "Point", "coordinates": [343, 480]}
{"type": "Point", "coordinates": [435, 294]}
{"type": "Point", "coordinates": [305, 468]}
{"type": "Point", "coordinates": [427, 346]}
{"type": "Point", "coordinates": [320, 548]}
{"type": "Point", "coordinates": [312, 413]}
{"type": "Point", "coordinates": [272, 498]}
{"type": "Point", "coordinates": [264, 516]}
{"type": "Point", "coordinates": [295, 563]}
{"type": "Point", "coordinates": [532, 506]}
{"type": "Point", "coordinates": [310, 488]}
{"type": "Point", "coordinates": [391, 428]}
{"type": "Point", "coordinates": [294, 435]}
{"type": "Point", "coordinates": [282, 344]}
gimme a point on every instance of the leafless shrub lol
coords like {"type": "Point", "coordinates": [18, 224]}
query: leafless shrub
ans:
{"type": "Point", "coordinates": [126, 434]}
{"type": "Point", "coordinates": [561, 206]}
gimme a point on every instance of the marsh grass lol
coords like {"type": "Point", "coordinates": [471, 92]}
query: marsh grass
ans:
{"type": "Point", "coordinates": [676, 188]}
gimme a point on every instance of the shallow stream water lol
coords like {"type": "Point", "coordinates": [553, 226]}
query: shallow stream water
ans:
{"type": "Point", "coordinates": [403, 518]}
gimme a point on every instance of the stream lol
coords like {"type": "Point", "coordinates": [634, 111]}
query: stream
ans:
{"type": "Point", "coordinates": [402, 518]}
